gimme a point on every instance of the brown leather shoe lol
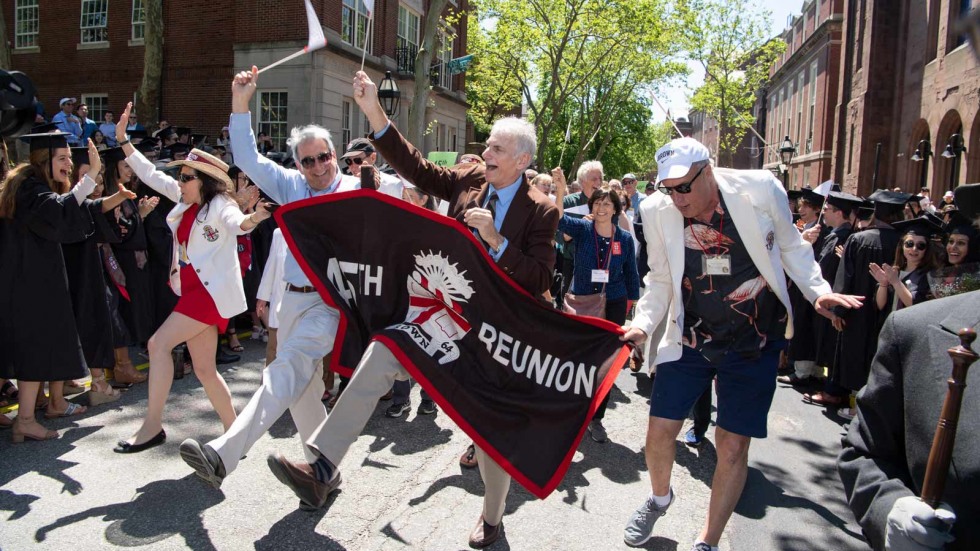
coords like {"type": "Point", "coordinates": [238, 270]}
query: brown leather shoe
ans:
{"type": "Point", "coordinates": [300, 478]}
{"type": "Point", "coordinates": [484, 534]}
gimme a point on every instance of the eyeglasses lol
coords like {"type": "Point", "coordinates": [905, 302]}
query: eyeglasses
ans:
{"type": "Point", "coordinates": [188, 178]}
{"type": "Point", "coordinates": [309, 162]}
{"type": "Point", "coordinates": [918, 246]}
{"type": "Point", "coordinates": [354, 160]}
{"type": "Point", "coordinates": [684, 188]}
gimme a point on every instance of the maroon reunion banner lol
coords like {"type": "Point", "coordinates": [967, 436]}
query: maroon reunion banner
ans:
{"type": "Point", "coordinates": [520, 378]}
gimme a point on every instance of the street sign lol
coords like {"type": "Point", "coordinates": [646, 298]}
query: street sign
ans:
{"type": "Point", "coordinates": [459, 65]}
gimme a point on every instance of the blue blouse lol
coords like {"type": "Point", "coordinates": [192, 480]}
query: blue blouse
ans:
{"type": "Point", "coordinates": [590, 247]}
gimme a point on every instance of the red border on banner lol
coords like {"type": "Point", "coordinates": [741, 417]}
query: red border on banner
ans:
{"type": "Point", "coordinates": [620, 360]}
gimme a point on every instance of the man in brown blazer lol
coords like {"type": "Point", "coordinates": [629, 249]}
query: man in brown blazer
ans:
{"type": "Point", "coordinates": [516, 223]}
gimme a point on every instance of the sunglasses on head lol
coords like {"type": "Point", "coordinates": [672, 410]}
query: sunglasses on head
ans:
{"type": "Point", "coordinates": [684, 188]}
{"type": "Point", "coordinates": [354, 160]}
{"type": "Point", "coordinates": [309, 162]}
{"type": "Point", "coordinates": [919, 246]}
{"type": "Point", "coordinates": [188, 177]}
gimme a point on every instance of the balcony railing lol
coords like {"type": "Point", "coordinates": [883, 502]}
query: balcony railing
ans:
{"type": "Point", "coordinates": [405, 54]}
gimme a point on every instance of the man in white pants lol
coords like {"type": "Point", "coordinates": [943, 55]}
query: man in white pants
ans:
{"type": "Point", "coordinates": [307, 326]}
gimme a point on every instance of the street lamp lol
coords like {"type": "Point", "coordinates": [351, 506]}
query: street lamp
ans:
{"type": "Point", "coordinates": [786, 152]}
{"type": "Point", "coordinates": [923, 150]}
{"type": "Point", "coordinates": [388, 94]}
{"type": "Point", "coordinates": [954, 148]}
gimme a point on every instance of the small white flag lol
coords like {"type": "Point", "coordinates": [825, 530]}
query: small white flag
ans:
{"type": "Point", "coordinates": [317, 40]}
{"type": "Point", "coordinates": [824, 188]}
{"type": "Point", "coordinates": [369, 4]}
{"type": "Point", "coordinates": [568, 131]}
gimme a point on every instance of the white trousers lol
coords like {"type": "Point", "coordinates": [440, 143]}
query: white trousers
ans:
{"type": "Point", "coordinates": [307, 327]}
{"type": "Point", "coordinates": [376, 372]}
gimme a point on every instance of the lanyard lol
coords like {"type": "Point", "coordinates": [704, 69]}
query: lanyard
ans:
{"type": "Point", "coordinates": [721, 235]}
{"type": "Point", "coordinates": [608, 253]}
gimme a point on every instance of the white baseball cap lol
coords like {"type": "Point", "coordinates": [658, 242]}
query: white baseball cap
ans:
{"type": "Point", "coordinates": [66, 100]}
{"type": "Point", "coordinates": [629, 176]}
{"type": "Point", "coordinates": [675, 159]}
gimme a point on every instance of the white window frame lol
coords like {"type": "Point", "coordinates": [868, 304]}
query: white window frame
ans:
{"type": "Point", "coordinates": [800, 89]}
{"type": "Point", "coordinates": [447, 42]}
{"type": "Point", "coordinates": [90, 29]}
{"type": "Point", "coordinates": [138, 21]}
{"type": "Point", "coordinates": [452, 138]}
{"type": "Point", "coordinates": [90, 100]}
{"type": "Point", "coordinates": [406, 18]}
{"type": "Point", "coordinates": [353, 32]}
{"type": "Point", "coordinates": [813, 105]}
{"type": "Point", "coordinates": [346, 116]}
{"type": "Point", "coordinates": [266, 125]}
{"type": "Point", "coordinates": [27, 15]}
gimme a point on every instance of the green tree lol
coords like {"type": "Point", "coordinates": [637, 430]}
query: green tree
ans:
{"type": "Point", "coordinates": [491, 87]}
{"type": "Point", "coordinates": [730, 39]}
{"type": "Point", "coordinates": [578, 60]}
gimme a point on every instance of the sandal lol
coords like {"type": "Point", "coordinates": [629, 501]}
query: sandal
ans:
{"type": "Point", "coordinates": [237, 348]}
{"type": "Point", "coordinates": [468, 459]}
{"type": "Point", "coordinates": [19, 434]}
{"type": "Point", "coordinates": [73, 409]}
{"type": "Point", "coordinates": [98, 397]}
{"type": "Point", "coordinates": [8, 394]}
{"type": "Point", "coordinates": [72, 388]}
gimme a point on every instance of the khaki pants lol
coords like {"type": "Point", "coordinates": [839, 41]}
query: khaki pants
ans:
{"type": "Point", "coordinates": [376, 372]}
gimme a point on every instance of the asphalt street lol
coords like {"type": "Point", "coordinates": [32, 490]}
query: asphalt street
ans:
{"type": "Point", "coordinates": [403, 487]}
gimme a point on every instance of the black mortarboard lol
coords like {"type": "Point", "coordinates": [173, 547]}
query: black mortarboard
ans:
{"type": "Point", "coordinates": [960, 224]}
{"type": "Point", "coordinates": [921, 226]}
{"type": "Point", "coordinates": [113, 155]}
{"type": "Point", "coordinates": [164, 133]}
{"type": "Point", "coordinates": [843, 200]}
{"type": "Point", "coordinates": [46, 136]}
{"type": "Point", "coordinates": [794, 194]}
{"type": "Point", "coordinates": [79, 156]}
{"type": "Point", "coordinates": [148, 144]}
{"type": "Point", "coordinates": [197, 139]}
{"type": "Point", "coordinates": [967, 200]}
{"type": "Point", "coordinates": [889, 202]}
{"type": "Point", "coordinates": [137, 134]}
{"type": "Point", "coordinates": [812, 197]}
{"type": "Point", "coordinates": [180, 148]}
{"type": "Point", "coordinates": [183, 131]}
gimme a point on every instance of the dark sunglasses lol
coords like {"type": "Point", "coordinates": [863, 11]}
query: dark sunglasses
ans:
{"type": "Point", "coordinates": [918, 246]}
{"type": "Point", "coordinates": [684, 188]}
{"type": "Point", "coordinates": [354, 160]}
{"type": "Point", "coordinates": [309, 162]}
{"type": "Point", "coordinates": [188, 177]}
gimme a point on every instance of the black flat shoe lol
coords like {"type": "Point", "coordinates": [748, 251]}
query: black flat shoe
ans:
{"type": "Point", "coordinates": [222, 357]}
{"type": "Point", "coordinates": [125, 447]}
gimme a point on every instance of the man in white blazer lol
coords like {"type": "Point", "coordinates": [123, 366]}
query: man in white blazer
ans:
{"type": "Point", "coordinates": [720, 244]}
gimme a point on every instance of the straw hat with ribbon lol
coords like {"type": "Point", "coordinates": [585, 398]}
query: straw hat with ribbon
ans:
{"type": "Point", "coordinates": [206, 163]}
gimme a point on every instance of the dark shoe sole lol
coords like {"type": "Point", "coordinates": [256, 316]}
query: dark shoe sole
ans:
{"type": "Point", "coordinates": [305, 501]}
{"type": "Point", "coordinates": [193, 454]}
{"type": "Point", "coordinates": [405, 408]}
{"type": "Point", "coordinates": [427, 410]}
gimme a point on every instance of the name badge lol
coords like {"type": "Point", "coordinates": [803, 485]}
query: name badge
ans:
{"type": "Point", "coordinates": [716, 265]}
{"type": "Point", "coordinates": [617, 248]}
{"type": "Point", "coordinates": [600, 276]}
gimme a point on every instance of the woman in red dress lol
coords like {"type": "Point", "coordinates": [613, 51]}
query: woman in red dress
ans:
{"type": "Point", "coordinates": [206, 276]}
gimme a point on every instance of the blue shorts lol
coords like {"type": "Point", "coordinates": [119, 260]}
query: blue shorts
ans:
{"type": "Point", "coordinates": [745, 388]}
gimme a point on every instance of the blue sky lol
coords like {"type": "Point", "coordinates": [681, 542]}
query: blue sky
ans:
{"type": "Point", "coordinates": [676, 98]}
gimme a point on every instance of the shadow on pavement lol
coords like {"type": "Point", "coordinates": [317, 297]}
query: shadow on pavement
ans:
{"type": "Point", "coordinates": [297, 530]}
{"type": "Point", "coordinates": [770, 486]}
{"type": "Point", "coordinates": [26, 458]}
{"type": "Point", "coordinates": [142, 521]}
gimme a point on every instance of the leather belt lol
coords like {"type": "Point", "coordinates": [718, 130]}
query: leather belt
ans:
{"type": "Point", "coordinates": [294, 289]}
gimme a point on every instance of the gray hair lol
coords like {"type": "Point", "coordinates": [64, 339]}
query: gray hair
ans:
{"type": "Point", "coordinates": [300, 134]}
{"type": "Point", "coordinates": [587, 167]}
{"type": "Point", "coordinates": [521, 131]}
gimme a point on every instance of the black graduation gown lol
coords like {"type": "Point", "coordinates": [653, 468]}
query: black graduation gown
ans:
{"type": "Point", "coordinates": [802, 347]}
{"type": "Point", "coordinates": [159, 243]}
{"type": "Point", "coordinates": [824, 333]}
{"type": "Point", "coordinates": [134, 260]}
{"type": "Point", "coordinates": [38, 335]}
{"type": "Point", "coordinates": [261, 245]}
{"type": "Point", "coordinates": [859, 340]}
{"type": "Point", "coordinates": [87, 285]}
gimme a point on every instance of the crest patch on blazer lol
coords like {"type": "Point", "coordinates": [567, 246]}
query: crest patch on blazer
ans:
{"type": "Point", "coordinates": [210, 234]}
{"type": "Point", "coordinates": [770, 239]}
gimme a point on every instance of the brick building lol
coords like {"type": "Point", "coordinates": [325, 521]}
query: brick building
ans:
{"type": "Point", "coordinates": [910, 84]}
{"type": "Point", "coordinates": [802, 93]}
{"type": "Point", "coordinates": [93, 50]}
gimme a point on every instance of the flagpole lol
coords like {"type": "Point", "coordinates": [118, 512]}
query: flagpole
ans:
{"type": "Point", "coordinates": [367, 34]}
{"type": "Point", "coordinates": [283, 60]}
{"type": "Point", "coordinates": [666, 112]}
{"type": "Point", "coordinates": [568, 138]}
